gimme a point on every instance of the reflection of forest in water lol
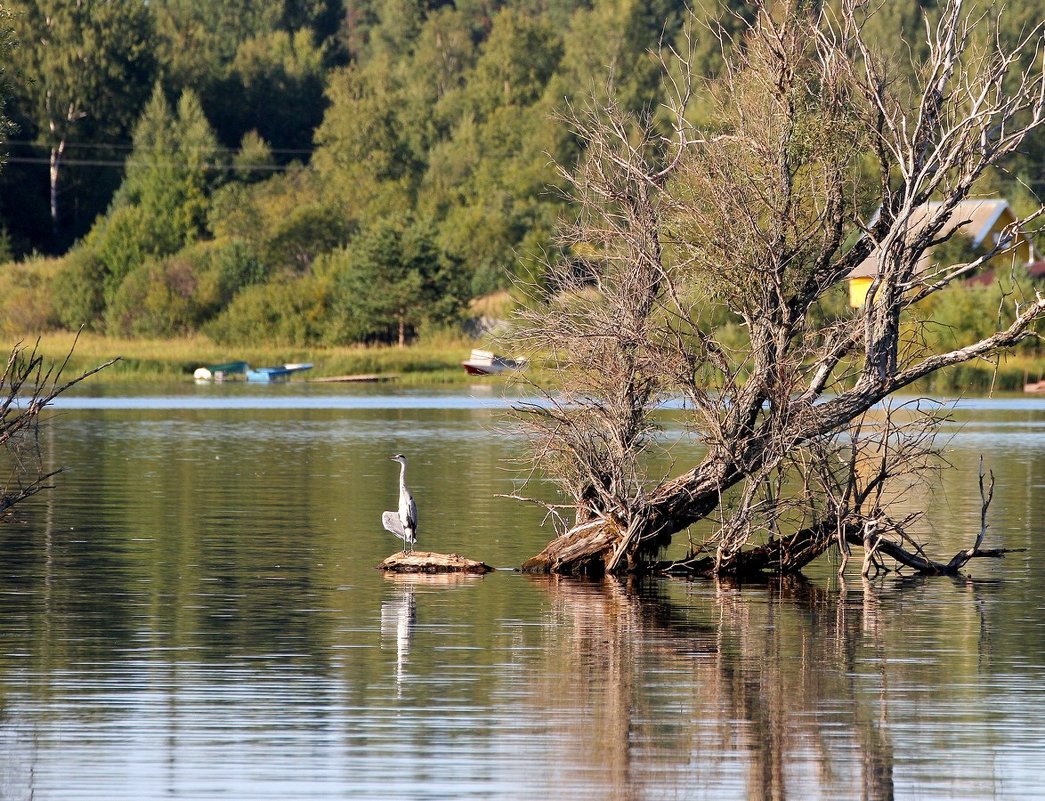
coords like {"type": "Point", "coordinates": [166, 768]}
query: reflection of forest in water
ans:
{"type": "Point", "coordinates": [787, 688]}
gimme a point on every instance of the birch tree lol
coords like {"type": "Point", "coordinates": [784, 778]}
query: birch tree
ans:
{"type": "Point", "coordinates": [82, 65]}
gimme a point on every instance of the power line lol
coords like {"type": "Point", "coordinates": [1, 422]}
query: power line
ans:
{"type": "Point", "coordinates": [74, 162]}
{"type": "Point", "coordinates": [125, 146]}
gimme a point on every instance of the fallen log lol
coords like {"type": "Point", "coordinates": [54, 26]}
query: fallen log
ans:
{"type": "Point", "coordinates": [429, 562]}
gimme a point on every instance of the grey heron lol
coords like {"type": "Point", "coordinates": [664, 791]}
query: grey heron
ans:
{"type": "Point", "coordinates": [404, 522]}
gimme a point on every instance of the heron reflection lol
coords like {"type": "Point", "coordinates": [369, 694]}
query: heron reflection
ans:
{"type": "Point", "coordinates": [398, 617]}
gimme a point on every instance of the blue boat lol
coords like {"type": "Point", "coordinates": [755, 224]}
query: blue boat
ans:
{"type": "Point", "coordinates": [269, 374]}
{"type": "Point", "coordinates": [220, 372]}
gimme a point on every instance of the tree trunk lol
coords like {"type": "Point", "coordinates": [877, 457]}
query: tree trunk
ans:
{"type": "Point", "coordinates": [583, 551]}
{"type": "Point", "coordinates": [608, 545]}
{"type": "Point", "coordinates": [57, 151]}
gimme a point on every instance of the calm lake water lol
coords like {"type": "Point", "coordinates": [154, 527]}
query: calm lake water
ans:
{"type": "Point", "coordinates": [194, 613]}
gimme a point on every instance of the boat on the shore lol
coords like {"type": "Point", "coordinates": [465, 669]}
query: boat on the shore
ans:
{"type": "Point", "coordinates": [231, 370]}
{"type": "Point", "coordinates": [485, 362]}
{"type": "Point", "coordinates": [220, 372]}
{"type": "Point", "coordinates": [269, 374]}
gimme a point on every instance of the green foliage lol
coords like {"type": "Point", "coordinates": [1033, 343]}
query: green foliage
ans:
{"type": "Point", "coordinates": [123, 240]}
{"type": "Point", "coordinates": [361, 151]}
{"type": "Point", "coordinates": [86, 67]}
{"type": "Point", "coordinates": [481, 236]}
{"type": "Point", "coordinates": [962, 313]}
{"type": "Point", "coordinates": [227, 268]}
{"type": "Point", "coordinates": [306, 233]}
{"type": "Point", "coordinates": [611, 44]}
{"type": "Point", "coordinates": [163, 202]}
{"type": "Point", "coordinates": [445, 53]}
{"type": "Point", "coordinates": [7, 44]}
{"type": "Point", "coordinates": [26, 304]}
{"type": "Point", "coordinates": [283, 73]}
{"type": "Point", "coordinates": [6, 248]}
{"type": "Point", "coordinates": [180, 293]}
{"type": "Point", "coordinates": [446, 113]}
{"type": "Point", "coordinates": [833, 305]}
{"type": "Point", "coordinates": [256, 66]}
{"type": "Point", "coordinates": [285, 220]}
{"type": "Point", "coordinates": [153, 300]}
{"type": "Point", "coordinates": [393, 279]}
{"type": "Point", "coordinates": [293, 311]}
{"type": "Point", "coordinates": [78, 290]}
{"type": "Point", "coordinates": [959, 249]}
{"type": "Point", "coordinates": [248, 212]}
{"type": "Point", "coordinates": [83, 61]}
{"type": "Point", "coordinates": [198, 38]}
{"type": "Point", "coordinates": [517, 61]}
{"type": "Point", "coordinates": [253, 161]}
{"type": "Point", "coordinates": [468, 147]}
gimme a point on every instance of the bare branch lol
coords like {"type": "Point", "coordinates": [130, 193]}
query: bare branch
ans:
{"type": "Point", "coordinates": [27, 386]}
{"type": "Point", "coordinates": [698, 266]}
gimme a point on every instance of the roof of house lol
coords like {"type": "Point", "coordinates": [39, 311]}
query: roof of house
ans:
{"type": "Point", "coordinates": [975, 218]}
{"type": "Point", "coordinates": [1035, 271]}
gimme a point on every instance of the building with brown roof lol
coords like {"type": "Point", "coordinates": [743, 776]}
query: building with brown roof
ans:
{"type": "Point", "coordinates": [984, 222]}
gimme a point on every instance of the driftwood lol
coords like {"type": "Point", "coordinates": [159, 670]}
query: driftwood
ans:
{"type": "Point", "coordinates": [878, 538]}
{"type": "Point", "coordinates": [429, 562]}
{"type": "Point", "coordinates": [361, 378]}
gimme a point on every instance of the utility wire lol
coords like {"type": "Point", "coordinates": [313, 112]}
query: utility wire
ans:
{"type": "Point", "coordinates": [130, 146]}
{"type": "Point", "coordinates": [139, 165]}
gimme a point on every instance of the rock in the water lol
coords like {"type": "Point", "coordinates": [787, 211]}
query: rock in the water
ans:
{"type": "Point", "coordinates": [428, 562]}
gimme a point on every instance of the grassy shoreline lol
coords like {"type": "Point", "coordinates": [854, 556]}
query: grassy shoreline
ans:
{"type": "Point", "coordinates": [165, 360]}
{"type": "Point", "coordinates": [434, 361]}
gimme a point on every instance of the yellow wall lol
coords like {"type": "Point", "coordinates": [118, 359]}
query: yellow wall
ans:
{"type": "Point", "coordinates": [858, 291]}
{"type": "Point", "coordinates": [1022, 253]}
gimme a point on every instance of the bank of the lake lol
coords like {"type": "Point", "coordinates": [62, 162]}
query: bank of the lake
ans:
{"type": "Point", "coordinates": [430, 361]}
{"type": "Point", "coordinates": [436, 360]}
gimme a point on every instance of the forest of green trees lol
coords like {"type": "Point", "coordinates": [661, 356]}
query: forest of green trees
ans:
{"type": "Point", "coordinates": [319, 171]}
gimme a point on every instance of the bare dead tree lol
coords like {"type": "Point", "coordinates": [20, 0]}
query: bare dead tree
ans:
{"type": "Point", "coordinates": [752, 220]}
{"type": "Point", "coordinates": [28, 385]}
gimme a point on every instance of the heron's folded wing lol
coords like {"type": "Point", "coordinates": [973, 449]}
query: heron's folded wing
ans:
{"type": "Point", "coordinates": [390, 520]}
{"type": "Point", "coordinates": [412, 515]}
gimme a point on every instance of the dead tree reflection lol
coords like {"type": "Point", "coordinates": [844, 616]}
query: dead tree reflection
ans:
{"type": "Point", "coordinates": [773, 674]}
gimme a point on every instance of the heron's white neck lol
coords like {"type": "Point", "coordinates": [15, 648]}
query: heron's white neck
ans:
{"type": "Point", "coordinates": [402, 475]}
